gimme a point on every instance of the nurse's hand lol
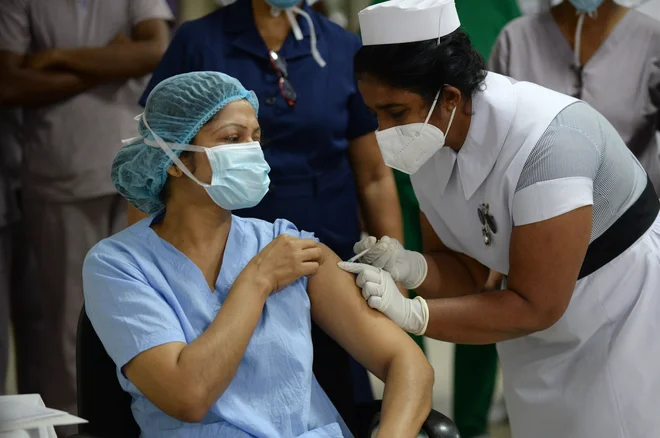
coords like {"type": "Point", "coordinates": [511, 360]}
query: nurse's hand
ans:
{"type": "Point", "coordinates": [381, 293]}
{"type": "Point", "coordinates": [285, 260]}
{"type": "Point", "coordinates": [407, 267]}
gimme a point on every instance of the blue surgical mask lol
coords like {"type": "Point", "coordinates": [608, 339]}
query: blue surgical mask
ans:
{"type": "Point", "coordinates": [588, 6]}
{"type": "Point", "coordinates": [239, 171]}
{"type": "Point", "coordinates": [240, 175]}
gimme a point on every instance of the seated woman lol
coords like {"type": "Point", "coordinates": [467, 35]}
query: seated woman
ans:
{"type": "Point", "coordinates": [207, 315]}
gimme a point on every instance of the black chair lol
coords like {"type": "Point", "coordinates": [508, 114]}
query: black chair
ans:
{"type": "Point", "coordinates": [107, 407]}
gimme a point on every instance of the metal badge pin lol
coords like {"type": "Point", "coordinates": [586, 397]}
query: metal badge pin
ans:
{"type": "Point", "coordinates": [488, 224]}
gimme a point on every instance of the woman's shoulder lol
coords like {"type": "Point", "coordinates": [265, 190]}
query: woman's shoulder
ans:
{"type": "Point", "coordinates": [522, 26]}
{"type": "Point", "coordinates": [641, 27]}
{"type": "Point", "coordinates": [268, 231]}
{"type": "Point", "coordinates": [123, 246]}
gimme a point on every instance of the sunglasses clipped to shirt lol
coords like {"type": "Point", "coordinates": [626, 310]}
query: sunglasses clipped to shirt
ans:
{"type": "Point", "coordinates": [287, 90]}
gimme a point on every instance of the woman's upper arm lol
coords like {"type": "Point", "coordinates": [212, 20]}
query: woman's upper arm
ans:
{"type": "Point", "coordinates": [545, 260]}
{"type": "Point", "coordinates": [339, 309]}
{"type": "Point", "coordinates": [138, 328]}
{"type": "Point", "coordinates": [553, 214]}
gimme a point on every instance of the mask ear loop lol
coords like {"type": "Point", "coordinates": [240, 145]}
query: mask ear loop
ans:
{"type": "Point", "coordinates": [428, 116]}
{"type": "Point", "coordinates": [578, 40]}
{"type": "Point", "coordinates": [172, 156]}
{"type": "Point", "coordinates": [312, 33]}
{"type": "Point", "coordinates": [297, 33]}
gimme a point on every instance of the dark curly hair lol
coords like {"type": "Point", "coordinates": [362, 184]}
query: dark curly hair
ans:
{"type": "Point", "coordinates": [424, 67]}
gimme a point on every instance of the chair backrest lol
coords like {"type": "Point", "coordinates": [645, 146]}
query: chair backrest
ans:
{"type": "Point", "coordinates": [101, 400]}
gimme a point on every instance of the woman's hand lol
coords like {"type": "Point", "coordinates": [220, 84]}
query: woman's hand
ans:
{"type": "Point", "coordinates": [407, 267]}
{"type": "Point", "coordinates": [285, 260]}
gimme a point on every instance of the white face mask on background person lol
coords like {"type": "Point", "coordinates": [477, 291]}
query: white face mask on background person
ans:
{"type": "Point", "coordinates": [239, 171]}
{"type": "Point", "coordinates": [407, 147]}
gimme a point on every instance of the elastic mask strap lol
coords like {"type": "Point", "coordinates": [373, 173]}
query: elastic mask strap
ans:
{"type": "Point", "coordinates": [578, 35]}
{"type": "Point", "coordinates": [172, 156]}
{"type": "Point", "coordinates": [312, 33]}
{"type": "Point", "coordinates": [578, 39]}
{"type": "Point", "coordinates": [130, 141]}
{"type": "Point", "coordinates": [451, 120]}
{"type": "Point", "coordinates": [294, 24]}
{"type": "Point", "coordinates": [428, 116]}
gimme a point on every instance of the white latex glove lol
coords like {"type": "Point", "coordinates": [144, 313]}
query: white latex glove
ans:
{"type": "Point", "coordinates": [407, 267]}
{"type": "Point", "coordinates": [381, 293]}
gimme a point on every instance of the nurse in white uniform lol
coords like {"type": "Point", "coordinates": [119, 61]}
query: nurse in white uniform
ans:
{"type": "Point", "coordinates": [538, 186]}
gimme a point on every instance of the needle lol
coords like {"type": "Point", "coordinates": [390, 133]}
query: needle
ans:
{"type": "Point", "coordinates": [357, 257]}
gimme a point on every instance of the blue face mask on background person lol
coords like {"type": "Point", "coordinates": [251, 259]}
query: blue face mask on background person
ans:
{"type": "Point", "coordinates": [283, 4]}
{"type": "Point", "coordinates": [588, 6]}
{"type": "Point", "coordinates": [239, 171]}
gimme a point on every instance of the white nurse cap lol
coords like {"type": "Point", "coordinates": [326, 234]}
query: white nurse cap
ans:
{"type": "Point", "coordinates": [407, 21]}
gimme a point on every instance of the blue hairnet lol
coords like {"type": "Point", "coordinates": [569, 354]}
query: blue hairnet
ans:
{"type": "Point", "coordinates": [176, 110]}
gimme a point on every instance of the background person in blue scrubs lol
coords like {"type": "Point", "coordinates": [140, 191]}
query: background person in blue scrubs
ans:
{"type": "Point", "coordinates": [326, 164]}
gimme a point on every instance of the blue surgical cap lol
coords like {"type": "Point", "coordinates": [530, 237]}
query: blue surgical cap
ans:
{"type": "Point", "coordinates": [176, 110]}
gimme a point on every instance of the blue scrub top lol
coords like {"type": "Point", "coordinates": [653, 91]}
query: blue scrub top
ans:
{"type": "Point", "coordinates": [312, 182]}
{"type": "Point", "coordinates": [141, 292]}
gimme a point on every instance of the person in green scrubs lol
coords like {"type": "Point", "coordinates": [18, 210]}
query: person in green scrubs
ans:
{"type": "Point", "coordinates": [475, 366]}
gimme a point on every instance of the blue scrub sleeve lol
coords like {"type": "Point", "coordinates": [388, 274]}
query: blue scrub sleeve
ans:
{"type": "Point", "coordinates": [361, 121]}
{"type": "Point", "coordinates": [128, 315]}
{"type": "Point", "coordinates": [283, 226]}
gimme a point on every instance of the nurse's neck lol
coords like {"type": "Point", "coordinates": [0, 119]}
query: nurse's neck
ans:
{"type": "Point", "coordinates": [194, 227]}
{"type": "Point", "coordinates": [273, 29]}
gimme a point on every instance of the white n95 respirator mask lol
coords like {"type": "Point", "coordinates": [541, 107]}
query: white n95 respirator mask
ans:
{"type": "Point", "coordinates": [407, 147]}
{"type": "Point", "coordinates": [239, 171]}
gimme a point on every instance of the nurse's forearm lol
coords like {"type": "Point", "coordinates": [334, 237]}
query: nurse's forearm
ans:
{"type": "Point", "coordinates": [210, 361]}
{"type": "Point", "coordinates": [449, 276]}
{"type": "Point", "coordinates": [381, 209]}
{"type": "Point", "coordinates": [486, 318]}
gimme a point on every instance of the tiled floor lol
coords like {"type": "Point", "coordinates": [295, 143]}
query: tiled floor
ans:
{"type": "Point", "coordinates": [441, 356]}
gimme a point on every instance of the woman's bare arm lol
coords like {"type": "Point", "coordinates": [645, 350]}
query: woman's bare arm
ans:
{"type": "Point", "coordinates": [378, 344]}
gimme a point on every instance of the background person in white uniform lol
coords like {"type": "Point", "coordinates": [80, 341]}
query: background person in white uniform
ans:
{"type": "Point", "coordinates": [598, 51]}
{"type": "Point", "coordinates": [533, 184]}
